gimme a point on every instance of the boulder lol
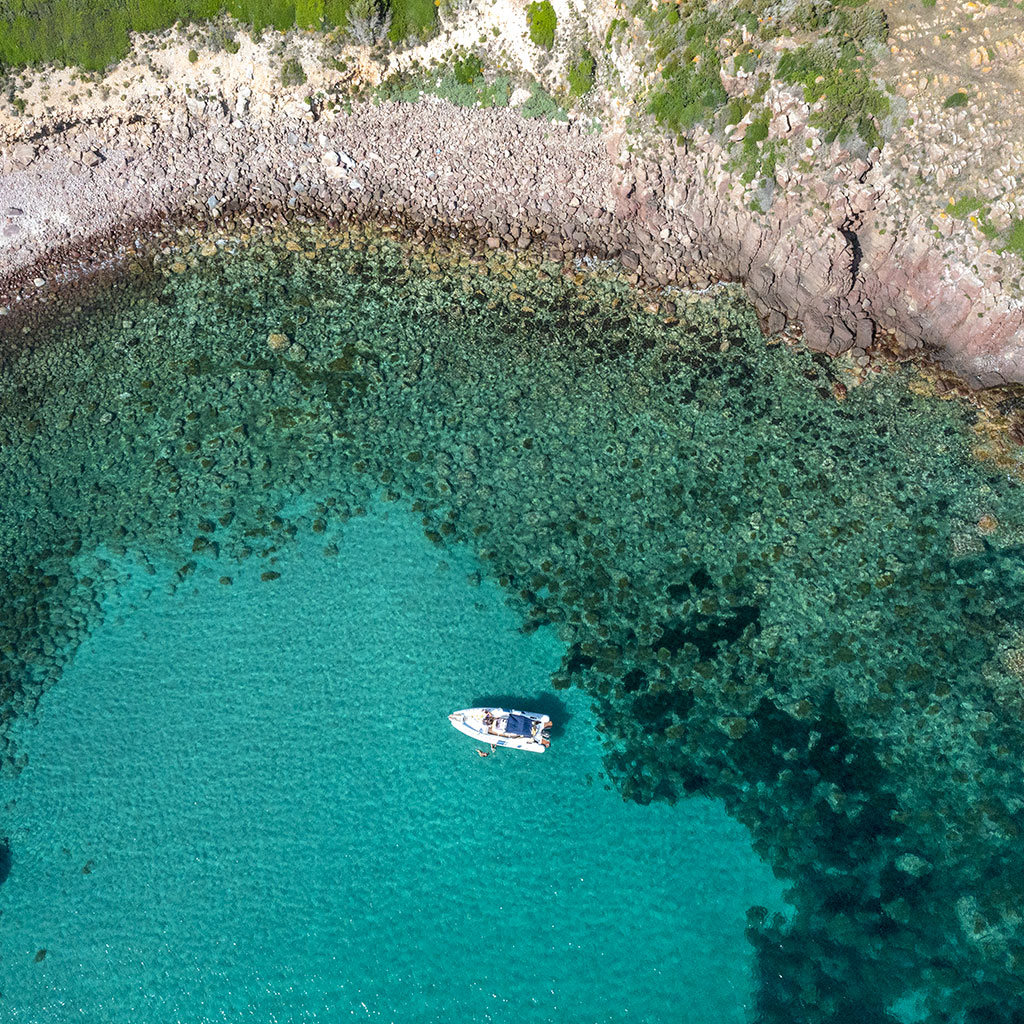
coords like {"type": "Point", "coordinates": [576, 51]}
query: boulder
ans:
{"type": "Point", "coordinates": [23, 154]}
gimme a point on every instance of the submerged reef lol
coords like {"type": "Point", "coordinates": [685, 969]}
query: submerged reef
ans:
{"type": "Point", "coordinates": [803, 601]}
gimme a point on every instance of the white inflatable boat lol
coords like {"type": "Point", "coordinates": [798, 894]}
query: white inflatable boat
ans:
{"type": "Point", "coordinates": [521, 730]}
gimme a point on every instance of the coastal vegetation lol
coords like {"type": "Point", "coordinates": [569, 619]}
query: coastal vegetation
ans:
{"type": "Point", "coordinates": [542, 104]}
{"type": "Point", "coordinates": [292, 73]}
{"type": "Point", "coordinates": [466, 82]}
{"type": "Point", "coordinates": [689, 45]}
{"type": "Point", "coordinates": [462, 82]}
{"type": "Point", "coordinates": [581, 74]}
{"type": "Point", "coordinates": [468, 69]}
{"type": "Point", "coordinates": [693, 43]}
{"type": "Point", "coordinates": [1015, 238]}
{"type": "Point", "coordinates": [93, 34]}
{"type": "Point", "coordinates": [850, 103]}
{"type": "Point", "coordinates": [976, 210]}
{"type": "Point", "coordinates": [542, 20]}
{"type": "Point", "coordinates": [784, 90]}
{"type": "Point", "coordinates": [691, 88]}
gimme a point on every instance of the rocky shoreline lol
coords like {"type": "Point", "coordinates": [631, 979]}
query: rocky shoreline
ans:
{"type": "Point", "coordinates": [76, 198]}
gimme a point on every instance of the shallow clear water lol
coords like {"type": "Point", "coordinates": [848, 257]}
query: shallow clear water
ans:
{"type": "Point", "coordinates": [796, 596]}
{"type": "Point", "coordinates": [245, 803]}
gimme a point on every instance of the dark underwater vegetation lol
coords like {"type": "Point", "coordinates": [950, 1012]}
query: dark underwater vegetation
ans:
{"type": "Point", "coordinates": [809, 609]}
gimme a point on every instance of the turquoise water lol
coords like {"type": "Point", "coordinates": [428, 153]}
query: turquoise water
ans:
{"type": "Point", "coordinates": [245, 803]}
{"type": "Point", "coordinates": [793, 595]}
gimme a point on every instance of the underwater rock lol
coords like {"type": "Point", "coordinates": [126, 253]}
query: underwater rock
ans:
{"type": "Point", "coordinates": [988, 524]}
{"type": "Point", "coordinates": [913, 865]}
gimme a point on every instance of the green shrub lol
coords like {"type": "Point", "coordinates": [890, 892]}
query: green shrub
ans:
{"type": "Point", "coordinates": [852, 107]}
{"type": "Point", "coordinates": [737, 109]}
{"type": "Point", "coordinates": [863, 27]}
{"type": "Point", "coordinates": [336, 12]}
{"type": "Point", "coordinates": [616, 25]}
{"type": "Point", "coordinates": [581, 74]}
{"type": "Point", "coordinates": [411, 19]}
{"type": "Point", "coordinates": [691, 86]}
{"type": "Point", "coordinates": [757, 131]}
{"type": "Point", "coordinates": [541, 18]}
{"type": "Point", "coordinates": [745, 61]}
{"type": "Point", "coordinates": [192, 56]}
{"type": "Point", "coordinates": [309, 13]}
{"type": "Point", "coordinates": [806, 63]}
{"type": "Point", "coordinates": [753, 158]}
{"type": "Point", "coordinates": [1015, 238]}
{"type": "Point", "coordinates": [220, 37]}
{"type": "Point", "coordinates": [542, 104]}
{"type": "Point", "coordinates": [406, 87]}
{"type": "Point", "coordinates": [468, 69]}
{"type": "Point", "coordinates": [964, 206]}
{"type": "Point", "coordinates": [261, 14]}
{"type": "Point", "coordinates": [147, 15]}
{"type": "Point", "coordinates": [687, 95]}
{"type": "Point", "coordinates": [958, 99]}
{"type": "Point", "coordinates": [403, 87]}
{"type": "Point", "coordinates": [89, 33]}
{"type": "Point", "coordinates": [477, 93]}
{"type": "Point", "coordinates": [809, 17]}
{"type": "Point", "coordinates": [761, 163]}
{"type": "Point", "coordinates": [93, 34]}
{"type": "Point", "coordinates": [292, 73]}
{"type": "Point", "coordinates": [852, 102]}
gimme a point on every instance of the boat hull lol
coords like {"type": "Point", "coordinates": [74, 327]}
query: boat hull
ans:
{"type": "Point", "coordinates": [487, 726]}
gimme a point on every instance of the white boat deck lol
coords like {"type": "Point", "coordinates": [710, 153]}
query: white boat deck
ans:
{"type": "Point", "coordinates": [520, 730]}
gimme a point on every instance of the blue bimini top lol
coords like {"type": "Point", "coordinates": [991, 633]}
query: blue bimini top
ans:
{"type": "Point", "coordinates": [519, 725]}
